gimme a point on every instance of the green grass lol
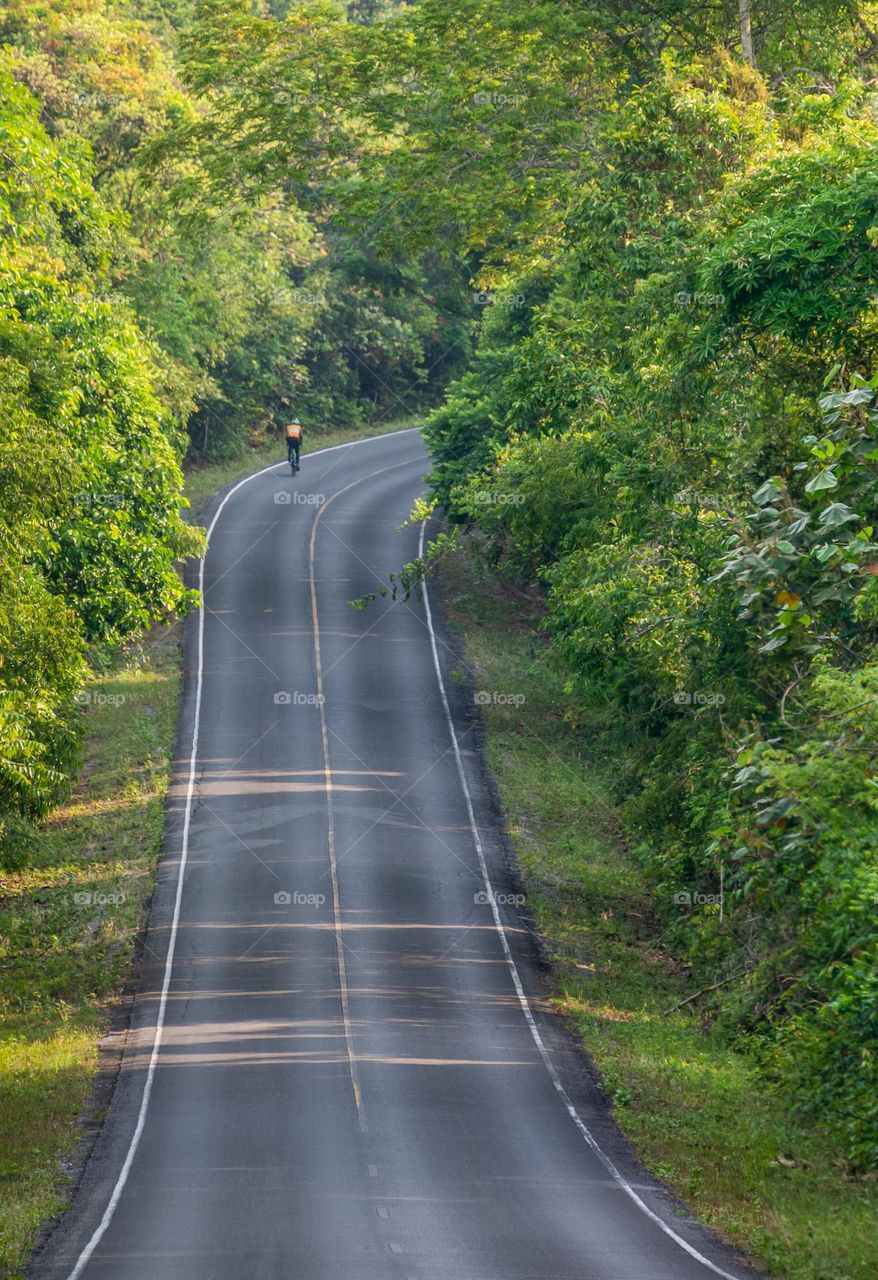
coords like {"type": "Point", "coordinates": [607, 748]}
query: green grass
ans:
{"type": "Point", "coordinates": [64, 958]}
{"type": "Point", "coordinates": [203, 480]}
{"type": "Point", "coordinates": [695, 1109]}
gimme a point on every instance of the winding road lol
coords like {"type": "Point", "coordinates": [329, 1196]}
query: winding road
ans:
{"type": "Point", "coordinates": [339, 1066]}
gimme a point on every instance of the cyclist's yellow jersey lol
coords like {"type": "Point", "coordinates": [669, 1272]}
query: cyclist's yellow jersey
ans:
{"type": "Point", "coordinates": [294, 431]}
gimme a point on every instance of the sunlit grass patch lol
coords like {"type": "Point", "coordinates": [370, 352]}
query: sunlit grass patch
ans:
{"type": "Point", "coordinates": [68, 924]}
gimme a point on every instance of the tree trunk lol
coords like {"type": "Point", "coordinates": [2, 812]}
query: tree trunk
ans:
{"type": "Point", "coordinates": [746, 31]}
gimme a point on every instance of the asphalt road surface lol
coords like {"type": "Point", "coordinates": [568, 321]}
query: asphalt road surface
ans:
{"type": "Point", "coordinates": [353, 1077]}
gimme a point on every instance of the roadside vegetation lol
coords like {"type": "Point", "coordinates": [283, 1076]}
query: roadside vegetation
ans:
{"type": "Point", "coordinates": [692, 1103]}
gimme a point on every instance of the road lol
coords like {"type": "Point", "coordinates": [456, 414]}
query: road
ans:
{"type": "Point", "coordinates": [353, 1077]}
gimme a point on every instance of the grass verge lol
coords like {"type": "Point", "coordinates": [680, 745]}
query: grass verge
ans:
{"type": "Point", "coordinates": [693, 1107]}
{"type": "Point", "coordinates": [68, 924]}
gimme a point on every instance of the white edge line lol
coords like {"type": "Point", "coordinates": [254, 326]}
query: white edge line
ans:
{"type": "Point", "coordinates": [99, 1231]}
{"type": "Point", "coordinates": [605, 1160]}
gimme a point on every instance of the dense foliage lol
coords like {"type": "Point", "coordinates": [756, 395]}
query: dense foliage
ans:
{"type": "Point", "coordinates": [90, 524]}
{"type": "Point", "coordinates": [253, 305]}
{"type": "Point", "coordinates": [669, 423]}
{"type": "Point", "coordinates": [649, 437]}
{"type": "Point", "coordinates": [659, 453]}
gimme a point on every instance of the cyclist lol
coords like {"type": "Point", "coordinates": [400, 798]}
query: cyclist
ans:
{"type": "Point", "coordinates": [294, 443]}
